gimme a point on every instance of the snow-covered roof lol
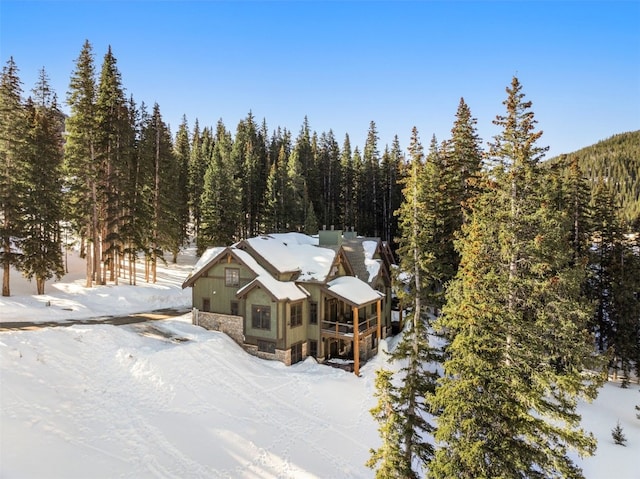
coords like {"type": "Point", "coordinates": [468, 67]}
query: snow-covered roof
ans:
{"type": "Point", "coordinates": [281, 290]}
{"type": "Point", "coordinates": [293, 252]}
{"type": "Point", "coordinates": [373, 265]}
{"type": "Point", "coordinates": [353, 291]}
{"type": "Point", "coordinates": [207, 257]}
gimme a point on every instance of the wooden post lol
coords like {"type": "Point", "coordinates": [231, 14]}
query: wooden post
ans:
{"type": "Point", "coordinates": [379, 313]}
{"type": "Point", "coordinates": [356, 342]}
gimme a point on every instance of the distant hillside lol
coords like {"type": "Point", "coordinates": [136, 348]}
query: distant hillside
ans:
{"type": "Point", "coordinates": [616, 160]}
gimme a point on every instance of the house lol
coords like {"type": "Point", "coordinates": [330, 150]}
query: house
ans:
{"type": "Point", "coordinates": [289, 296]}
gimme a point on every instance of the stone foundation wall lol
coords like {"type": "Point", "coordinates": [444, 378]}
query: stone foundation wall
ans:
{"type": "Point", "coordinates": [232, 326]}
{"type": "Point", "coordinates": [280, 355]}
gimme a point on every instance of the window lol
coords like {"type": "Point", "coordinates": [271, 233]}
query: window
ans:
{"type": "Point", "coordinates": [313, 313]}
{"type": "Point", "coordinates": [296, 353]}
{"type": "Point", "coordinates": [261, 317]}
{"type": "Point", "coordinates": [231, 276]}
{"type": "Point", "coordinates": [313, 348]}
{"type": "Point", "coordinates": [235, 308]}
{"type": "Point", "coordinates": [206, 304]}
{"type": "Point", "coordinates": [266, 346]}
{"type": "Point", "coordinates": [296, 314]}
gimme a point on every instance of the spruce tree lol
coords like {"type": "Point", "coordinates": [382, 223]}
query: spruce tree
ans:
{"type": "Point", "coordinates": [347, 187]}
{"type": "Point", "coordinates": [613, 283]}
{"type": "Point", "coordinates": [413, 353]}
{"type": "Point", "coordinates": [197, 168]}
{"type": "Point", "coordinates": [13, 142]}
{"type": "Point", "coordinates": [112, 149]}
{"type": "Point", "coordinates": [81, 166]}
{"type": "Point", "coordinates": [369, 206]}
{"type": "Point", "coordinates": [392, 174]}
{"type": "Point", "coordinates": [41, 244]}
{"type": "Point", "coordinates": [220, 200]}
{"type": "Point", "coordinates": [182, 154]}
{"type": "Point", "coordinates": [387, 460]}
{"type": "Point", "coordinates": [520, 354]}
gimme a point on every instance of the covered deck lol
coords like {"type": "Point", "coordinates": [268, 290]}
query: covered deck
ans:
{"type": "Point", "coordinates": [352, 313]}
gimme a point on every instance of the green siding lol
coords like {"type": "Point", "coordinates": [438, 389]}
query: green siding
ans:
{"type": "Point", "coordinates": [212, 286]}
{"type": "Point", "coordinates": [258, 296]}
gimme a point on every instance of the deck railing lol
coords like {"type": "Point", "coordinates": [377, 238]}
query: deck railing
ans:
{"type": "Point", "coordinates": [344, 328]}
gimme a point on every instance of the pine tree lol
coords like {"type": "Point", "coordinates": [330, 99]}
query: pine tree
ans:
{"type": "Point", "coordinates": [618, 436]}
{"type": "Point", "coordinates": [197, 168]}
{"type": "Point", "coordinates": [134, 213]}
{"type": "Point", "coordinates": [613, 283]}
{"type": "Point", "coordinates": [328, 167]}
{"type": "Point", "coordinates": [413, 353]}
{"type": "Point", "coordinates": [13, 139]}
{"type": "Point", "coordinates": [369, 206]}
{"type": "Point", "coordinates": [81, 167]}
{"type": "Point", "coordinates": [41, 244]}
{"type": "Point", "coordinates": [249, 159]}
{"type": "Point", "coordinates": [113, 132]}
{"type": "Point", "coordinates": [276, 214]}
{"type": "Point", "coordinates": [387, 460]}
{"type": "Point", "coordinates": [182, 154]}
{"type": "Point", "coordinates": [392, 174]}
{"type": "Point", "coordinates": [159, 169]}
{"type": "Point", "coordinates": [465, 155]}
{"type": "Point", "coordinates": [221, 196]}
{"type": "Point", "coordinates": [520, 353]}
{"type": "Point", "coordinates": [347, 187]}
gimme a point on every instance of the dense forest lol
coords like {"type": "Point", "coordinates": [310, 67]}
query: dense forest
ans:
{"type": "Point", "coordinates": [616, 163]}
{"type": "Point", "coordinates": [528, 269]}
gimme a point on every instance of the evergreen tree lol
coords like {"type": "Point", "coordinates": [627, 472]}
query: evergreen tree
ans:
{"type": "Point", "coordinates": [276, 213]}
{"type": "Point", "coordinates": [13, 138]}
{"type": "Point", "coordinates": [221, 196]}
{"type": "Point", "coordinates": [393, 173]}
{"type": "Point", "coordinates": [369, 206]}
{"type": "Point", "coordinates": [465, 156]}
{"type": "Point", "coordinates": [81, 166]}
{"type": "Point", "coordinates": [388, 458]}
{"type": "Point", "coordinates": [295, 194]}
{"type": "Point", "coordinates": [197, 168]}
{"type": "Point", "coordinates": [113, 133]}
{"type": "Point", "coordinates": [613, 284]}
{"type": "Point", "coordinates": [41, 244]}
{"type": "Point", "coordinates": [347, 186]}
{"type": "Point", "coordinates": [160, 169]}
{"type": "Point", "coordinates": [134, 216]}
{"type": "Point", "coordinates": [413, 353]}
{"type": "Point", "coordinates": [182, 154]}
{"type": "Point", "coordinates": [359, 192]}
{"type": "Point", "coordinates": [520, 354]}
{"type": "Point", "coordinates": [329, 170]}
{"type": "Point", "coordinates": [618, 435]}
{"type": "Point", "coordinates": [249, 158]}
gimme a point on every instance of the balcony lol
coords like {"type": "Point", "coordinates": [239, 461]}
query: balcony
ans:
{"type": "Point", "coordinates": [344, 328]}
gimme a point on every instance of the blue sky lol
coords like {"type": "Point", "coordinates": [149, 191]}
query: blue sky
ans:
{"type": "Point", "coordinates": [345, 64]}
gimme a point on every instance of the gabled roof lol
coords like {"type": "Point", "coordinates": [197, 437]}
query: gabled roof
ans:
{"type": "Point", "coordinates": [279, 290]}
{"type": "Point", "coordinates": [208, 258]}
{"type": "Point", "coordinates": [269, 256]}
{"type": "Point", "coordinates": [293, 253]}
{"type": "Point", "coordinates": [353, 291]}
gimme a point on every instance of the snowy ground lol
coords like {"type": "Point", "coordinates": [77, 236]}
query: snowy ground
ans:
{"type": "Point", "coordinates": [168, 399]}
